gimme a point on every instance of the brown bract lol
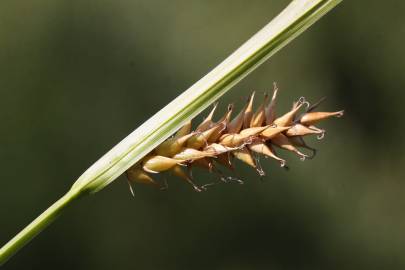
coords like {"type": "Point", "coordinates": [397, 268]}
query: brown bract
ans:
{"type": "Point", "coordinates": [248, 134]}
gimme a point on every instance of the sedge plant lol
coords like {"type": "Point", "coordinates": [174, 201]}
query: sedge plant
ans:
{"type": "Point", "coordinates": [292, 21]}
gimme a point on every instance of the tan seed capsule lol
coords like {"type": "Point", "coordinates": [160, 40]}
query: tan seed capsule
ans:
{"type": "Point", "coordinates": [227, 116]}
{"type": "Point", "coordinates": [220, 128]}
{"type": "Point", "coordinates": [237, 123]}
{"type": "Point", "coordinates": [237, 140]}
{"type": "Point", "coordinates": [301, 130]}
{"type": "Point", "coordinates": [218, 149]}
{"type": "Point", "coordinates": [200, 139]}
{"type": "Point", "coordinates": [222, 123]}
{"type": "Point", "coordinates": [253, 131]}
{"type": "Point", "coordinates": [287, 119]}
{"type": "Point", "coordinates": [283, 142]}
{"type": "Point", "coordinates": [184, 130]}
{"type": "Point", "coordinates": [207, 123]}
{"type": "Point", "coordinates": [260, 116]}
{"type": "Point", "coordinates": [172, 146]}
{"type": "Point", "coordinates": [312, 118]}
{"type": "Point", "coordinates": [245, 156]}
{"type": "Point", "coordinates": [232, 140]}
{"type": "Point", "coordinates": [249, 111]}
{"type": "Point", "coordinates": [261, 148]}
{"type": "Point", "coordinates": [156, 164]}
{"type": "Point", "coordinates": [137, 175]}
{"type": "Point", "coordinates": [190, 154]}
{"type": "Point", "coordinates": [272, 131]}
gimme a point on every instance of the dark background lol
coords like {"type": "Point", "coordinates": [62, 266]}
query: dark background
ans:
{"type": "Point", "coordinates": [78, 76]}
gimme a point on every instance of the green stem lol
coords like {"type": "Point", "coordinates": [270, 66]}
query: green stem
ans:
{"type": "Point", "coordinates": [36, 226]}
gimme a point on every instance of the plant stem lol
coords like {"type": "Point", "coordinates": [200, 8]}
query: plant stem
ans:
{"type": "Point", "coordinates": [37, 225]}
{"type": "Point", "coordinates": [293, 20]}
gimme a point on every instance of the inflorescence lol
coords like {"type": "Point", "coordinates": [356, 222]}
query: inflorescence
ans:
{"type": "Point", "coordinates": [244, 137]}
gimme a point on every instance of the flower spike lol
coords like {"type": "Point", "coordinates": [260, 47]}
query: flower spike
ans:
{"type": "Point", "coordinates": [245, 137]}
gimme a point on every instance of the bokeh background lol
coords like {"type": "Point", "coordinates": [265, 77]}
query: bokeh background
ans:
{"type": "Point", "coordinates": [78, 76]}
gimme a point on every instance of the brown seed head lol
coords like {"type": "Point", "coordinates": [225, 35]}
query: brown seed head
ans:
{"type": "Point", "coordinates": [247, 134]}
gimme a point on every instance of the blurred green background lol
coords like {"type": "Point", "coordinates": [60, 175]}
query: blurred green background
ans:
{"type": "Point", "coordinates": [78, 76]}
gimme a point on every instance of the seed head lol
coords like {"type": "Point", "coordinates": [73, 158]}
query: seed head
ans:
{"type": "Point", "coordinates": [249, 134]}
